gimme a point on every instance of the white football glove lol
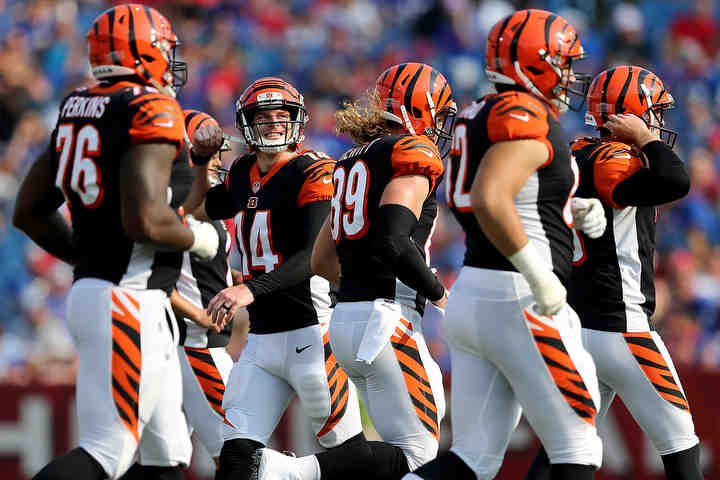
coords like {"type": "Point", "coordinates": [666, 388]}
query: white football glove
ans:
{"type": "Point", "coordinates": [549, 292]}
{"type": "Point", "coordinates": [206, 241]}
{"type": "Point", "coordinates": [588, 216]}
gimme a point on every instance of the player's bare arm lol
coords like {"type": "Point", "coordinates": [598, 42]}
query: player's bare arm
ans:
{"type": "Point", "coordinates": [503, 171]}
{"type": "Point", "coordinates": [324, 261]}
{"type": "Point", "coordinates": [206, 141]}
{"type": "Point", "coordinates": [146, 217]}
{"type": "Point", "coordinates": [505, 168]}
{"type": "Point", "coordinates": [406, 194]}
{"type": "Point", "coordinates": [185, 308]}
{"type": "Point", "coordinates": [36, 211]}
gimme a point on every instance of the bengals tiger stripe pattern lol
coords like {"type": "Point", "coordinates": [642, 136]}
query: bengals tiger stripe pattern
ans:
{"type": "Point", "coordinates": [208, 376]}
{"type": "Point", "coordinates": [126, 358]}
{"type": "Point", "coordinates": [338, 387]}
{"type": "Point", "coordinates": [562, 368]}
{"type": "Point", "coordinates": [648, 356]}
{"type": "Point", "coordinates": [416, 379]}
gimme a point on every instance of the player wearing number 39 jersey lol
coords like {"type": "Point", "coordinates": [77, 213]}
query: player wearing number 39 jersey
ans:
{"type": "Point", "coordinates": [110, 159]}
{"type": "Point", "coordinates": [374, 245]}
{"type": "Point", "coordinates": [515, 345]}
{"type": "Point", "coordinates": [279, 196]}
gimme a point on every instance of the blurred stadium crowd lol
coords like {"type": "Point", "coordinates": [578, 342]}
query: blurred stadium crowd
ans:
{"type": "Point", "coordinates": [333, 50]}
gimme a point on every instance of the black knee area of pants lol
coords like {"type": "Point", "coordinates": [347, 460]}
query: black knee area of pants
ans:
{"type": "Point", "coordinates": [347, 461]}
{"type": "Point", "coordinates": [389, 461]}
{"type": "Point", "coordinates": [446, 466]}
{"type": "Point", "coordinates": [571, 471]}
{"type": "Point", "coordinates": [75, 464]}
{"type": "Point", "coordinates": [149, 472]}
{"type": "Point", "coordinates": [540, 468]}
{"type": "Point", "coordinates": [683, 465]}
{"type": "Point", "coordinates": [358, 459]}
{"type": "Point", "coordinates": [236, 459]}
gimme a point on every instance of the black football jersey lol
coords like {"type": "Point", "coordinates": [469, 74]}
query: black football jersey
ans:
{"type": "Point", "coordinates": [612, 286]}
{"type": "Point", "coordinates": [360, 178]}
{"type": "Point", "coordinates": [544, 201]}
{"type": "Point", "coordinates": [265, 208]}
{"type": "Point", "coordinates": [94, 130]}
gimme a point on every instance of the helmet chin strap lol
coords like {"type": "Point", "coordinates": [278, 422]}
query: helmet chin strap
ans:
{"type": "Point", "coordinates": [166, 89]}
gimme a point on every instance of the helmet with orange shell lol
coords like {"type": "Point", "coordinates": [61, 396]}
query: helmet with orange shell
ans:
{"type": "Point", "coordinates": [535, 49]}
{"type": "Point", "coordinates": [419, 98]}
{"type": "Point", "coordinates": [271, 93]}
{"type": "Point", "coordinates": [136, 40]}
{"type": "Point", "coordinates": [630, 89]}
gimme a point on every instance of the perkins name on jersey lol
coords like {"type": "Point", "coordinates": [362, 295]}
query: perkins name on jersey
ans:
{"type": "Point", "coordinates": [90, 107]}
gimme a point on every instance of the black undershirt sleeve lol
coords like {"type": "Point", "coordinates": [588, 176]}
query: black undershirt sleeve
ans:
{"type": "Point", "coordinates": [297, 268]}
{"type": "Point", "coordinates": [393, 244]}
{"type": "Point", "coordinates": [665, 180]}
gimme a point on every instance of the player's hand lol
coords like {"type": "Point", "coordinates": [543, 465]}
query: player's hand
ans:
{"type": "Point", "coordinates": [442, 301]}
{"type": "Point", "coordinates": [588, 216]}
{"type": "Point", "coordinates": [630, 128]}
{"type": "Point", "coordinates": [207, 140]}
{"type": "Point", "coordinates": [549, 293]}
{"type": "Point", "coordinates": [206, 240]}
{"type": "Point", "coordinates": [204, 320]}
{"type": "Point", "coordinates": [225, 304]}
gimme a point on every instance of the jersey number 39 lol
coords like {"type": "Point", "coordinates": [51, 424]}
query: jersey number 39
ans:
{"type": "Point", "coordinates": [348, 208]}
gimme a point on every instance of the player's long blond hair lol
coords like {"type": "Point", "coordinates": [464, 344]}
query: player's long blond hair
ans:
{"type": "Point", "coordinates": [362, 119]}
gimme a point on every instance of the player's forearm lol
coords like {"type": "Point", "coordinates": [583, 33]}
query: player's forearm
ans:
{"type": "Point", "coordinates": [665, 180]}
{"type": "Point", "coordinates": [291, 272]}
{"type": "Point", "coordinates": [51, 232]}
{"type": "Point", "coordinates": [297, 268]}
{"type": "Point", "coordinates": [159, 225]}
{"type": "Point", "coordinates": [194, 202]}
{"type": "Point", "coordinates": [184, 307]}
{"type": "Point", "coordinates": [393, 244]}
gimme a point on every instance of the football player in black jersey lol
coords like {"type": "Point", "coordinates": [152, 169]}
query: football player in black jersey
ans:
{"type": "Point", "coordinates": [279, 196]}
{"type": "Point", "coordinates": [514, 343]}
{"type": "Point", "coordinates": [612, 287]}
{"type": "Point", "coordinates": [375, 244]}
{"type": "Point", "coordinates": [110, 159]}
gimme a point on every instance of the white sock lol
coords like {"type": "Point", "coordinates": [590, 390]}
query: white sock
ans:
{"type": "Point", "coordinates": [308, 467]}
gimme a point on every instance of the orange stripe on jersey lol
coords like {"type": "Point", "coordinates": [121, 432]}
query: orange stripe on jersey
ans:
{"type": "Point", "coordinates": [318, 183]}
{"type": "Point", "coordinates": [562, 369]}
{"type": "Point", "coordinates": [614, 163]}
{"type": "Point", "coordinates": [648, 356]}
{"type": "Point", "coordinates": [157, 118]}
{"type": "Point", "coordinates": [126, 364]}
{"type": "Point", "coordinates": [208, 376]}
{"type": "Point", "coordinates": [338, 388]}
{"type": "Point", "coordinates": [519, 116]}
{"type": "Point", "coordinates": [416, 379]}
{"type": "Point", "coordinates": [417, 155]}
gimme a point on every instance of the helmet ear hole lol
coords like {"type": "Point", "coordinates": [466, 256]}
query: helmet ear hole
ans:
{"type": "Point", "coordinates": [534, 70]}
{"type": "Point", "coordinates": [147, 57]}
{"type": "Point", "coordinates": [416, 112]}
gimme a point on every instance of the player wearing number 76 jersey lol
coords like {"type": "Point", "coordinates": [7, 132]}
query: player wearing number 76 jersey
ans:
{"type": "Point", "coordinates": [279, 196]}
{"type": "Point", "coordinates": [110, 159]}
